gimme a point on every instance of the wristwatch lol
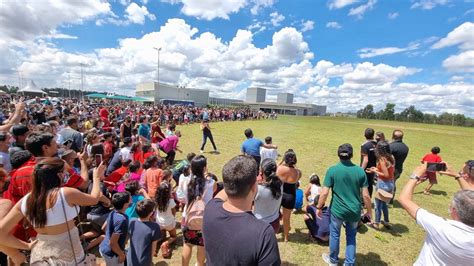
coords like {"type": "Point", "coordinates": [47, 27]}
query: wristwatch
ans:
{"type": "Point", "coordinates": [415, 177]}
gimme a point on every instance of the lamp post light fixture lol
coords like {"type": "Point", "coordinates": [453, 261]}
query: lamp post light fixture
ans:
{"type": "Point", "coordinates": [158, 49]}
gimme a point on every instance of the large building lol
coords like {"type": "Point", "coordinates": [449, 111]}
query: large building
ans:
{"type": "Point", "coordinates": [255, 99]}
{"type": "Point", "coordinates": [161, 92]}
{"type": "Point", "coordinates": [256, 95]}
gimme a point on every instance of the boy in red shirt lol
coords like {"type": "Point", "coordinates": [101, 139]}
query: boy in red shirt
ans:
{"type": "Point", "coordinates": [432, 157]}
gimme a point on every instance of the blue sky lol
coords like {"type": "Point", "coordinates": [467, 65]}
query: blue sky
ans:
{"type": "Point", "coordinates": [337, 52]}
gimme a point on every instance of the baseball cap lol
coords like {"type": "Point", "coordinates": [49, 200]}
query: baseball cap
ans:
{"type": "Point", "coordinates": [18, 130]}
{"type": "Point", "coordinates": [345, 150]}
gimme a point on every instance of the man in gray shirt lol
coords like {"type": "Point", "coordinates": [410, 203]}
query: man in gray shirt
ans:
{"type": "Point", "coordinates": [70, 132]}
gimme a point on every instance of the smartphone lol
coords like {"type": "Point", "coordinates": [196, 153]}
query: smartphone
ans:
{"type": "Point", "coordinates": [436, 167]}
{"type": "Point", "coordinates": [98, 159]}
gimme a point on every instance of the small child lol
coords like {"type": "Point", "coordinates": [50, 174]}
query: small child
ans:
{"type": "Point", "coordinates": [432, 157]}
{"type": "Point", "coordinates": [144, 235]}
{"type": "Point", "coordinates": [220, 185]}
{"type": "Point", "coordinates": [181, 191]}
{"type": "Point", "coordinates": [268, 153]}
{"type": "Point", "coordinates": [116, 224]}
{"type": "Point", "coordinates": [299, 198]}
{"type": "Point", "coordinates": [313, 190]}
{"type": "Point", "coordinates": [165, 215]}
{"type": "Point", "coordinates": [179, 168]}
{"type": "Point", "coordinates": [137, 195]}
{"type": "Point", "coordinates": [134, 174]}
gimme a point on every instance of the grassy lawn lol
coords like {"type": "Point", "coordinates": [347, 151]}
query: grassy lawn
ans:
{"type": "Point", "coordinates": [315, 141]}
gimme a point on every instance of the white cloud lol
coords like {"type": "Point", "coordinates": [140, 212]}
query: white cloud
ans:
{"type": "Point", "coordinates": [307, 26]}
{"type": "Point", "coordinates": [333, 25]}
{"type": "Point", "coordinates": [366, 73]}
{"type": "Point", "coordinates": [336, 4]}
{"type": "Point", "coordinates": [428, 4]}
{"type": "Point", "coordinates": [463, 62]}
{"type": "Point", "coordinates": [276, 19]}
{"type": "Point", "coordinates": [463, 36]}
{"type": "Point", "coordinates": [136, 14]}
{"type": "Point", "coordinates": [372, 52]}
{"type": "Point", "coordinates": [393, 15]}
{"type": "Point", "coordinates": [257, 27]}
{"type": "Point", "coordinates": [203, 60]}
{"type": "Point", "coordinates": [29, 19]}
{"type": "Point", "coordinates": [258, 4]}
{"type": "Point", "coordinates": [360, 10]}
{"type": "Point", "coordinates": [211, 9]}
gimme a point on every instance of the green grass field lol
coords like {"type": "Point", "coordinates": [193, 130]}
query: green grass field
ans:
{"type": "Point", "coordinates": [315, 141]}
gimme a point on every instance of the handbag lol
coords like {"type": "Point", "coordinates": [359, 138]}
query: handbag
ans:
{"type": "Point", "coordinates": [89, 259]}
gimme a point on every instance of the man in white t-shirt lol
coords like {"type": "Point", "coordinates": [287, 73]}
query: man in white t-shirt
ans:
{"type": "Point", "coordinates": [268, 153]}
{"type": "Point", "coordinates": [447, 242]}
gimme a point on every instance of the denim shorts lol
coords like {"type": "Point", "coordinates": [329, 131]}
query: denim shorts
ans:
{"type": "Point", "coordinates": [385, 185]}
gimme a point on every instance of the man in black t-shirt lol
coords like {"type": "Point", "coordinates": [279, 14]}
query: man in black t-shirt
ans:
{"type": "Point", "coordinates": [399, 151]}
{"type": "Point", "coordinates": [367, 157]}
{"type": "Point", "coordinates": [232, 235]}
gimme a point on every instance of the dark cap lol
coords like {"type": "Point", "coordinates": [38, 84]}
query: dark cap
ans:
{"type": "Point", "coordinates": [345, 150]}
{"type": "Point", "coordinates": [18, 130]}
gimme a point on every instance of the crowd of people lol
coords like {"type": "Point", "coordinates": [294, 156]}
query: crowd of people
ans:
{"type": "Point", "coordinates": [82, 176]}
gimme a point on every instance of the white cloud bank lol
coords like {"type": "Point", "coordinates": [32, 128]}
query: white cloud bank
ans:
{"type": "Point", "coordinates": [203, 60]}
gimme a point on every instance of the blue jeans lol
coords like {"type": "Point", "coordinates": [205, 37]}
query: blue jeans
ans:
{"type": "Point", "coordinates": [381, 207]}
{"type": "Point", "coordinates": [334, 235]}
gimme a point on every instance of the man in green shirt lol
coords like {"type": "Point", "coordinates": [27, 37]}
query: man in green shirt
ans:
{"type": "Point", "coordinates": [346, 180]}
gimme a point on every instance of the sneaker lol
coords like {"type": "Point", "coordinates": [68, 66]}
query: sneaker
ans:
{"type": "Point", "coordinates": [327, 259]}
{"type": "Point", "coordinates": [201, 151]}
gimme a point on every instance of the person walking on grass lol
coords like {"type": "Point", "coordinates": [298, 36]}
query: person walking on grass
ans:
{"type": "Point", "coordinates": [346, 180]}
{"type": "Point", "coordinates": [432, 157]}
{"type": "Point", "coordinates": [206, 133]}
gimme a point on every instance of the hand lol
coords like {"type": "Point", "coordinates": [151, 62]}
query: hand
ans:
{"type": "Point", "coordinates": [121, 258]}
{"type": "Point", "coordinates": [142, 191]}
{"type": "Point", "coordinates": [99, 171]}
{"type": "Point", "coordinates": [449, 171]}
{"type": "Point", "coordinates": [420, 170]}
{"type": "Point", "coordinates": [368, 215]}
{"type": "Point", "coordinates": [32, 244]}
{"type": "Point", "coordinates": [319, 213]}
{"type": "Point", "coordinates": [83, 156]}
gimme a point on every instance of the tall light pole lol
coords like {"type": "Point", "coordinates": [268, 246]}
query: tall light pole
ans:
{"type": "Point", "coordinates": [82, 82]}
{"type": "Point", "coordinates": [69, 87]}
{"type": "Point", "coordinates": [158, 66]}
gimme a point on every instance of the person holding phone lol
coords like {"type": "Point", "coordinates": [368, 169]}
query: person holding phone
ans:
{"type": "Point", "coordinates": [432, 159]}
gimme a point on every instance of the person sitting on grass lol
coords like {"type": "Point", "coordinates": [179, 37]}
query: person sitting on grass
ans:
{"type": "Point", "coordinates": [432, 157]}
{"type": "Point", "coordinates": [313, 190]}
{"type": "Point", "coordinates": [447, 242]}
{"type": "Point", "coordinates": [299, 198]}
{"type": "Point", "coordinates": [465, 177]}
{"type": "Point", "coordinates": [144, 235]}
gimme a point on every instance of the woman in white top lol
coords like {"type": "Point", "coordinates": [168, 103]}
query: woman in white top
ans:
{"type": "Point", "coordinates": [51, 209]}
{"type": "Point", "coordinates": [268, 199]}
{"type": "Point", "coordinates": [313, 190]}
{"type": "Point", "coordinates": [198, 187]}
{"type": "Point", "coordinates": [165, 214]}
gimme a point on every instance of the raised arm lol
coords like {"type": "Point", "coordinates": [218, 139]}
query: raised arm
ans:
{"type": "Point", "coordinates": [76, 197]}
{"type": "Point", "coordinates": [406, 197]}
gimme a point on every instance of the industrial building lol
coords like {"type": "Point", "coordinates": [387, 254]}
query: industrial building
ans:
{"type": "Point", "coordinates": [160, 92]}
{"type": "Point", "coordinates": [255, 99]}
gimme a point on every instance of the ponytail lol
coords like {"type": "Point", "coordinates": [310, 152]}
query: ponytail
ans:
{"type": "Point", "coordinates": [272, 181]}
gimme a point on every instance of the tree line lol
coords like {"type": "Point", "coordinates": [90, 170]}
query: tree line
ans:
{"type": "Point", "coordinates": [411, 114]}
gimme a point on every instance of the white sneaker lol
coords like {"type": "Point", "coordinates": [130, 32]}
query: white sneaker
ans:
{"type": "Point", "coordinates": [327, 259]}
{"type": "Point", "coordinates": [201, 151]}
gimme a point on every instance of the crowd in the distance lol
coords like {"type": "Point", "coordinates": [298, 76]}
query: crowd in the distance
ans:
{"type": "Point", "coordinates": [81, 176]}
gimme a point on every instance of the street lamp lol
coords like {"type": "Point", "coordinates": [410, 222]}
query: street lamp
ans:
{"type": "Point", "coordinates": [158, 66]}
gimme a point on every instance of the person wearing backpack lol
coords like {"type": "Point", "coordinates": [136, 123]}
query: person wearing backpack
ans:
{"type": "Point", "coordinates": [199, 193]}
